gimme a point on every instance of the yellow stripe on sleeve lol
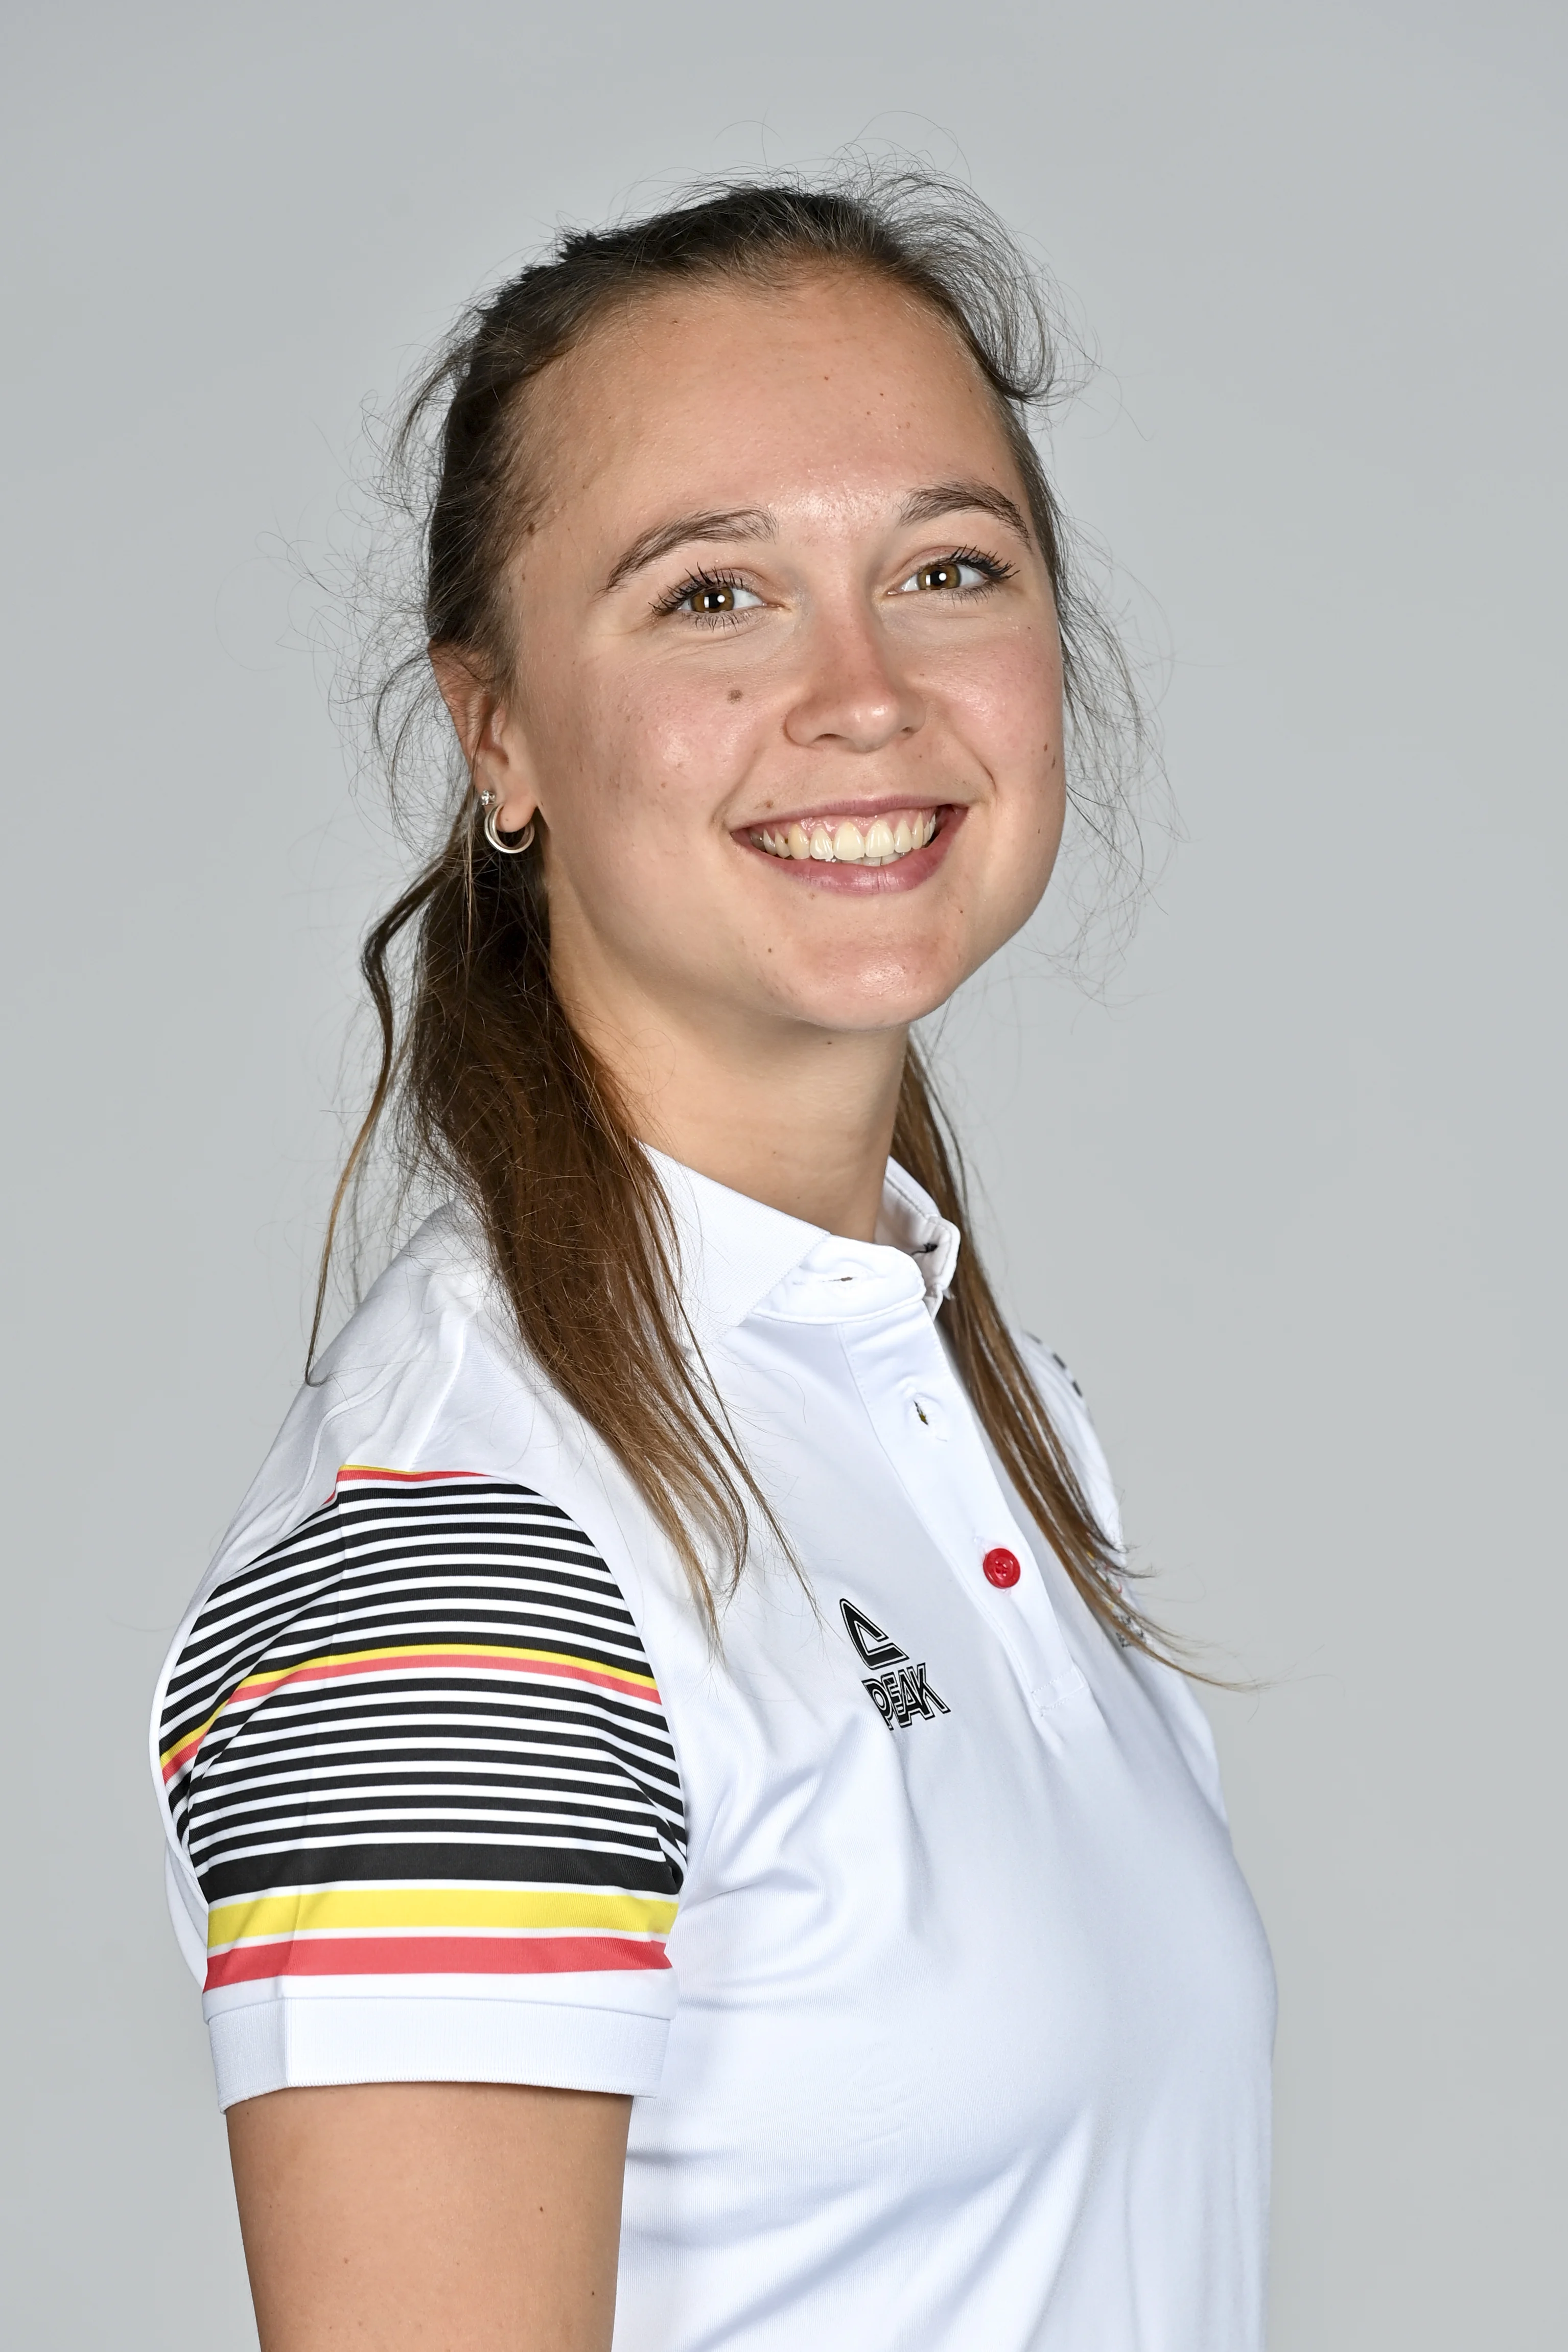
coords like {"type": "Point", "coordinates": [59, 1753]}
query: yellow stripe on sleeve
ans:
{"type": "Point", "coordinates": [322, 1909]}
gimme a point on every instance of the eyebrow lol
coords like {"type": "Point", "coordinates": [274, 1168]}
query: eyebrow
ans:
{"type": "Point", "coordinates": [740, 522]}
{"type": "Point", "coordinates": [954, 497]}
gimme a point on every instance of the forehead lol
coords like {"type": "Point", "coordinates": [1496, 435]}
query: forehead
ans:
{"type": "Point", "coordinates": [840, 386]}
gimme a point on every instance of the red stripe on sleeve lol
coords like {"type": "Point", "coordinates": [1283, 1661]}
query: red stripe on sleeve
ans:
{"type": "Point", "coordinates": [433, 1956]}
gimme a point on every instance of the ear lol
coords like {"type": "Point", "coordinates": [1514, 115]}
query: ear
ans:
{"type": "Point", "coordinates": [493, 743]}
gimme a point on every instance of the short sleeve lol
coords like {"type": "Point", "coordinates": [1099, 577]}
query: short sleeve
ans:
{"type": "Point", "coordinates": [418, 1766]}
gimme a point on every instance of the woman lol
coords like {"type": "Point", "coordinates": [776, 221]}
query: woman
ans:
{"type": "Point", "coordinates": [681, 1830]}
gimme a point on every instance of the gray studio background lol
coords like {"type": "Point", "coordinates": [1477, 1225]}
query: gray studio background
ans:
{"type": "Point", "coordinates": [1288, 1197]}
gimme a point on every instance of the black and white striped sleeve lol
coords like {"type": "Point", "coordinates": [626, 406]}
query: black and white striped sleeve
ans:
{"type": "Point", "coordinates": [419, 1767]}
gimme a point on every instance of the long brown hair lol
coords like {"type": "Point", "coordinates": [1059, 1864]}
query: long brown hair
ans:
{"type": "Point", "coordinates": [484, 1085]}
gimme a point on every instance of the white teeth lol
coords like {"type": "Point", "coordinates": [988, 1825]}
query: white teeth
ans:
{"type": "Point", "coordinates": [882, 843]}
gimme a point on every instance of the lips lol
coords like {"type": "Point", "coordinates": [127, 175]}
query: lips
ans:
{"type": "Point", "coordinates": [882, 840]}
{"type": "Point", "coordinates": [824, 866]}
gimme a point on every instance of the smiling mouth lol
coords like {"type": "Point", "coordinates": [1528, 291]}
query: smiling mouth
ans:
{"type": "Point", "coordinates": [843, 841]}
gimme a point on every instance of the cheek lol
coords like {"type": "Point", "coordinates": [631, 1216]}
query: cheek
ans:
{"type": "Point", "coordinates": [1006, 705]}
{"type": "Point", "coordinates": [656, 755]}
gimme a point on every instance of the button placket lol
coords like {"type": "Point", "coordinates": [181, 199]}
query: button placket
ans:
{"type": "Point", "coordinates": [897, 1359]}
{"type": "Point", "coordinates": [927, 1413]}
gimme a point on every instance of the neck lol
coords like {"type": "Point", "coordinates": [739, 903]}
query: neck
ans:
{"type": "Point", "coordinates": [798, 1117]}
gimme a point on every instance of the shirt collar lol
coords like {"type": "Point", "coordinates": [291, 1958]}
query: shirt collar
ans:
{"type": "Point", "coordinates": [739, 1256]}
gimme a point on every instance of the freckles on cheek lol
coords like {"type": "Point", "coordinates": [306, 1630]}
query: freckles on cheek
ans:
{"type": "Point", "coordinates": [679, 741]}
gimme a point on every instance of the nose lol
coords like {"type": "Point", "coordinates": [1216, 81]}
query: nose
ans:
{"type": "Point", "coordinates": [851, 693]}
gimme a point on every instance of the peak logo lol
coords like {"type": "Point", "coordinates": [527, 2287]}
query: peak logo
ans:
{"type": "Point", "coordinates": [899, 1689]}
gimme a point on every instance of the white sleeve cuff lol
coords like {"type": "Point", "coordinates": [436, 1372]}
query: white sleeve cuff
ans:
{"type": "Point", "coordinates": [275, 2045]}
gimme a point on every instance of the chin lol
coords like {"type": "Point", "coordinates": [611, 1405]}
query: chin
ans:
{"type": "Point", "coordinates": [865, 1002]}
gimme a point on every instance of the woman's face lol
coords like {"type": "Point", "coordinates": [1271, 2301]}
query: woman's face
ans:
{"type": "Point", "coordinates": [788, 682]}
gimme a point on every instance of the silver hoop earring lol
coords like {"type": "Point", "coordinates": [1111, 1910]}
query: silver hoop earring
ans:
{"type": "Point", "coordinates": [518, 843]}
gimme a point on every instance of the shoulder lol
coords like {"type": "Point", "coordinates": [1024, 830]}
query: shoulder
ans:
{"type": "Point", "coordinates": [420, 1380]}
{"type": "Point", "coordinates": [424, 1445]}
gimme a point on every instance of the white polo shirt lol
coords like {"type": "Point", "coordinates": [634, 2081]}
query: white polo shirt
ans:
{"type": "Point", "coordinates": [909, 1914]}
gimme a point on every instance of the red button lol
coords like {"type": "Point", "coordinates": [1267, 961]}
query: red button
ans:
{"type": "Point", "coordinates": [1001, 1568]}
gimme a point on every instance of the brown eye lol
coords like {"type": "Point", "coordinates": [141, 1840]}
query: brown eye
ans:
{"type": "Point", "coordinates": [963, 573]}
{"type": "Point", "coordinates": [709, 598]}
